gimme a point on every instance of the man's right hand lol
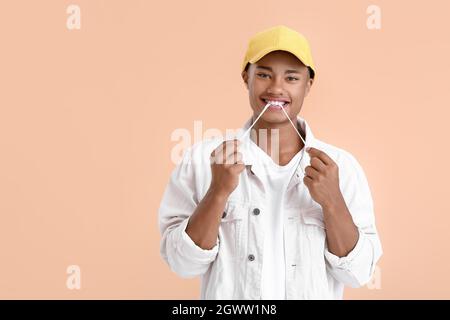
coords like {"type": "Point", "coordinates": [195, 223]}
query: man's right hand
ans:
{"type": "Point", "coordinates": [226, 165]}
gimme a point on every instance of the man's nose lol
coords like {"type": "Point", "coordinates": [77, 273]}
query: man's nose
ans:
{"type": "Point", "coordinates": [276, 86]}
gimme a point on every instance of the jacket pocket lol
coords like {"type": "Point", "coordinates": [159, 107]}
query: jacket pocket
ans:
{"type": "Point", "coordinates": [230, 230]}
{"type": "Point", "coordinates": [312, 216]}
{"type": "Point", "coordinates": [307, 266]}
{"type": "Point", "coordinates": [312, 233]}
{"type": "Point", "coordinates": [227, 270]}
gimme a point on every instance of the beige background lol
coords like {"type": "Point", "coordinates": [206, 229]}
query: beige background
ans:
{"type": "Point", "coordinates": [86, 117]}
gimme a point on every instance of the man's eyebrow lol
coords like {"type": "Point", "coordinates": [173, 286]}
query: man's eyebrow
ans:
{"type": "Point", "coordinates": [270, 69]}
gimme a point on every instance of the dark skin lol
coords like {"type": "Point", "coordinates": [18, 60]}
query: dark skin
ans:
{"type": "Point", "coordinates": [278, 74]}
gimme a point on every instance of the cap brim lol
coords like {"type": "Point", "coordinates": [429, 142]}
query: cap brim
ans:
{"type": "Point", "coordinates": [266, 51]}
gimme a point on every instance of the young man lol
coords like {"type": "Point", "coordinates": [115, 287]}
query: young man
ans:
{"type": "Point", "coordinates": [278, 214]}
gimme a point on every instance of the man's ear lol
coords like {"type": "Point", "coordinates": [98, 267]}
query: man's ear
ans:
{"type": "Point", "coordinates": [309, 85]}
{"type": "Point", "coordinates": [244, 75]}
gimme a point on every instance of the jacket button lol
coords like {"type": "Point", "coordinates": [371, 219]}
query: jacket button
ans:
{"type": "Point", "coordinates": [251, 257]}
{"type": "Point", "coordinates": [256, 211]}
{"type": "Point", "coordinates": [224, 214]}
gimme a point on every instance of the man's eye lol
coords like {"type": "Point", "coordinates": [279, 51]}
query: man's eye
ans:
{"type": "Point", "coordinates": [292, 78]}
{"type": "Point", "coordinates": [262, 75]}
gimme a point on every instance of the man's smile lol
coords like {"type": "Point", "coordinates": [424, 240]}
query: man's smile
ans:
{"type": "Point", "coordinates": [276, 103]}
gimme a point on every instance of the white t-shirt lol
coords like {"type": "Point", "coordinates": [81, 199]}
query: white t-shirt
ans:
{"type": "Point", "coordinates": [276, 179]}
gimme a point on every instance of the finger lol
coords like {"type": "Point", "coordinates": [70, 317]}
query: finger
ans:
{"type": "Point", "coordinates": [229, 148]}
{"type": "Point", "coordinates": [234, 158]}
{"type": "Point", "coordinates": [216, 155]}
{"type": "Point", "coordinates": [318, 164]}
{"type": "Point", "coordinates": [226, 148]}
{"type": "Point", "coordinates": [238, 167]}
{"type": "Point", "coordinates": [307, 180]}
{"type": "Point", "coordinates": [239, 157]}
{"type": "Point", "coordinates": [313, 152]}
{"type": "Point", "coordinates": [311, 172]}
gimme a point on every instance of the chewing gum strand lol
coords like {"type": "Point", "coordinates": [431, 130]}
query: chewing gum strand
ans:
{"type": "Point", "coordinates": [265, 108]}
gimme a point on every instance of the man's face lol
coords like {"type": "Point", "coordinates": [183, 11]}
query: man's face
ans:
{"type": "Point", "coordinates": [279, 75]}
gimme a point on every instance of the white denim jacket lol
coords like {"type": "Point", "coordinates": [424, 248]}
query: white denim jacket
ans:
{"type": "Point", "coordinates": [232, 269]}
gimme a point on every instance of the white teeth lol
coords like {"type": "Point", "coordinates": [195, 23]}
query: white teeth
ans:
{"type": "Point", "coordinates": [276, 103]}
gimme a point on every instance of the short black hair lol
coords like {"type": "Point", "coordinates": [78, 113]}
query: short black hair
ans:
{"type": "Point", "coordinates": [311, 71]}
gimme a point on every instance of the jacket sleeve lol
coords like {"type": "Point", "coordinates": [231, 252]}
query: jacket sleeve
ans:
{"type": "Point", "coordinates": [182, 255]}
{"type": "Point", "coordinates": [357, 268]}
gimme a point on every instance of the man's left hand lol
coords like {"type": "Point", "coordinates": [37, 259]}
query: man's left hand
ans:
{"type": "Point", "coordinates": [322, 178]}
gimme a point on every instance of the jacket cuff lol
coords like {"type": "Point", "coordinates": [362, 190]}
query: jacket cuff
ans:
{"type": "Point", "coordinates": [190, 250]}
{"type": "Point", "coordinates": [346, 262]}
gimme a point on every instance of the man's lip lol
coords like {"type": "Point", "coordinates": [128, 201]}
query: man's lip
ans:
{"type": "Point", "coordinates": [285, 105]}
{"type": "Point", "coordinates": [271, 107]}
{"type": "Point", "coordinates": [275, 107]}
{"type": "Point", "coordinates": [276, 99]}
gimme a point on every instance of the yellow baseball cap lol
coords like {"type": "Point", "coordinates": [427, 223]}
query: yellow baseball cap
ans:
{"type": "Point", "coordinates": [279, 38]}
